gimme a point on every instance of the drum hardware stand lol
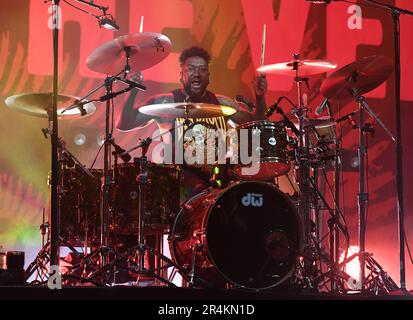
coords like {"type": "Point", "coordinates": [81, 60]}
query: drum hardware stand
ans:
{"type": "Point", "coordinates": [43, 257]}
{"type": "Point", "coordinates": [378, 281]}
{"type": "Point", "coordinates": [192, 274]}
{"type": "Point", "coordinates": [142, 179]}
{"type": "Point", "coordinates": [334, 229]}
{"type": "Point", "coordinates": [303, 153]}
{"type": "Point", "coordinates": [141, 247]}
{"type": "Point", "coordinates": [121, 257]}
{"type": "Point", "coordinates": [104, 249]}
{"type": "Point", "coordinates": [362, 195]}
{"type": "Point", "coordinates": [53, 125]}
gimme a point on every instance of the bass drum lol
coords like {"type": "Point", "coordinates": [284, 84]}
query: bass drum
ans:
{"type": "Point", "coordinates": [247, 235]}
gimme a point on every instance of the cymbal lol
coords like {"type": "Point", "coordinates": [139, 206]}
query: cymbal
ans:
{"type": "Point", "coordinates": [195, 110]}
{"type": "Point", "coordinates": [38, 105]}
{"type": "Point", "coordinates": [146, 50]}
{"type": "Point", "coordinates": [305, 67]}
{"type": "Point", "coordinates": [364, 75]}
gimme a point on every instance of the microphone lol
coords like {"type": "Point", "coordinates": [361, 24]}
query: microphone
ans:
{"type": "Point", "coordinates": [132, 84]}
{"type": "Point", "coordinates": [91, 4]}
{"type": "Point", "coordinates": [322, 106]}
{"type": "Point", "coordinates": [108, 23]}
{"type": "Point", "coordinates": [273, 108]}
{"type": "Point", "coordinates": [106, 20]}
{"type": "Point", "coordinates": [349, 117]}
{"type": "Point", "coordinates": [240, 99]}
{"type": "Point", "coordinates": [319, 1]}
{"type": "Point", "coordinates": [79, 105]}
{"type": "Point", "coordinates": [288, 123]}
{"type": "Point", "coordinates": [120, 152]}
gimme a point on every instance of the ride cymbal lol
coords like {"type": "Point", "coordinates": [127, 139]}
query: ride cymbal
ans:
{"type": "Point", "coordinates": [363, 75]}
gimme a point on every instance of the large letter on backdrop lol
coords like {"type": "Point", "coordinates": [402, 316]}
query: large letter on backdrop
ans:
{"type": "Point", "coordinates": [158, 15]}
{"type": "Point", "coordinates": [40, 52]}
{"type": "Point", "coordinates": [343, 38]}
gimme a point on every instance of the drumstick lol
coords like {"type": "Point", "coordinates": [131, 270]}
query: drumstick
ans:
{"type": "Point", "coordinates": [141, 26]}
{"type": "Point", "coordinates": [263, 45]}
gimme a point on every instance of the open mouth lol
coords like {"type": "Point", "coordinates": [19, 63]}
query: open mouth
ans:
{"type": "Point", "coordinates": [196, 84]}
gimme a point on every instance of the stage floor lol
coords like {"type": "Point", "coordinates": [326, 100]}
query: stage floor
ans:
{"type": "Point", "coordinates": [175, 294]}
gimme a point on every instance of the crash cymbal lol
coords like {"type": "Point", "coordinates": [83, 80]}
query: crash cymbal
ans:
{"type": "Point", "coordinates": [195, 110]}
{"type": "Point", "coordinates": [305, 67]}
{"type": "Point", "coordinates": [38, 104]}
{"type": "Point", "coordinates": [364, 75]}
{"type": "Point", "coordinates": [146, 50]}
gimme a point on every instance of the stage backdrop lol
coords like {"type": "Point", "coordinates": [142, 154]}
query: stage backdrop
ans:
{"type": "Point", "coordinates": [231, 30]}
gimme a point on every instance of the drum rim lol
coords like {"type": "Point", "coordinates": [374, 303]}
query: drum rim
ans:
{"type": "Point", "coordinates": [262, 123]}
{"type": "Point", "coordinates": [237, 167]}
{"type": "Point", "coordinates": [172, 241]}
{"type": "Point", "coordinates": [265, 160]}
{"type": "Point", "coordinates": [205, 228]}
{"type": "Point", "coordinates": [150, 164]}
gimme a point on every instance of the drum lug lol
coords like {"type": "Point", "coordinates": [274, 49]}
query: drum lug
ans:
{"type": "Point", "coordinates": [199, 234]}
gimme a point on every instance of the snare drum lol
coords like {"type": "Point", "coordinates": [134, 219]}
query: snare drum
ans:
{"type": "Point", "coordinates": [270, 157]}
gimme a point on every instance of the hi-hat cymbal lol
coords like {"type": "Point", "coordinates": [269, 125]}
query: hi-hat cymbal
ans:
{"type": "Point", "coordinates": [304, 67]}
{"type": "Point", "coordinates": [146, 50]}
{"type": "Point", "coordinates": [38, 105]}
{"type": "Point", "coordinates": [193, 109]}
{"type": "Point", "coordinates": [364, 75]}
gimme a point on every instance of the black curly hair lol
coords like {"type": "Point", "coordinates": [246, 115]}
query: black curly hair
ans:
{"type": "Point", "coordinates": [194, 52]}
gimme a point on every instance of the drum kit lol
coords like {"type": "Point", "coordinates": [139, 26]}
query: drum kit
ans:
{"type": "Point", "coordinates": [243, 232]}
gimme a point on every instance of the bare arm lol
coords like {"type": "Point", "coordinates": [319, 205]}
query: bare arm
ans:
{"type": "Point", "coordinates": [260, 88]}
{"type": "Point", "coordinates": [242, 115]}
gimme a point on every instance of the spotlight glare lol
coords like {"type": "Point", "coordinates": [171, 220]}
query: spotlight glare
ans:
{"type": "Point", "coordinates": [80, 139]}
{"type": "Point", "coordinates": [352, 267]}
{"type": "Point", "coordinates": [354, 162]}
{"type": "Point", "coordinates": [100, 140]}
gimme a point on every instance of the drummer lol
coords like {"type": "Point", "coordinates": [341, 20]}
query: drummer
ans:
{"type": "Point", "coordinates": [195, 78]}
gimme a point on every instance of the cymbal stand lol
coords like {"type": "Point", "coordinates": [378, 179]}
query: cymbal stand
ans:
{"type": "Point", "coordinates": [142, 179]}
{"type": "Point", "coordinates": [309, 189]}
{"type": "Point", "coordinates": [109, 266]}
{"type": "Point", "coordinates": [363, 195]}
{"type": "Point", "coordinates": [54, 132]}
{"type": "Point", "coordinates": [334, 230]}
{"type": "Point", "coordinates": [107, 180]}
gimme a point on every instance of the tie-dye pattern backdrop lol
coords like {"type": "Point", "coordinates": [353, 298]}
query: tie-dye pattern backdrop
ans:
{"type": "Point", "coordinates": [231, 30]}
